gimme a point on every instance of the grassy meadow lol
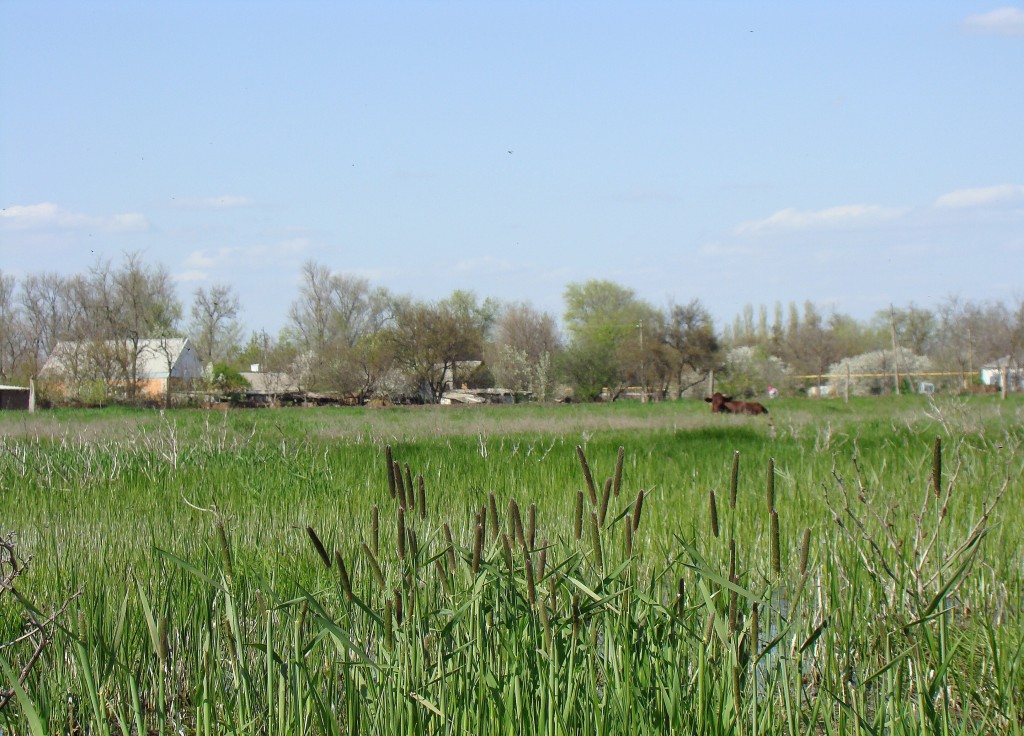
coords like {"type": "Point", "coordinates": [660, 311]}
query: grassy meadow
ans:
{"type": "Point", "coordinates": [607, 569]}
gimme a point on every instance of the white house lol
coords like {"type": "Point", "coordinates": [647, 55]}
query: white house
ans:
{"type": "Point", "coordinates": [159, 363]}
{"type": "Point", "coordinates": [992, 373]}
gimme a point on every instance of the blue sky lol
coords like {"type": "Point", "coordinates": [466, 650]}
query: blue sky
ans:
{"type": "Point", "coordinates": [851, 154]}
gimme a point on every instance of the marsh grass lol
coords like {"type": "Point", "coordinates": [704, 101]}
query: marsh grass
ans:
{"type": "Point", "coordinates": [234, 580]}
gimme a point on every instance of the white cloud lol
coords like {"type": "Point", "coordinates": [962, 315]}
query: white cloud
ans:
{"type": "Point", "coordinates": [191, 276]}
{"type": "Point", "coordinates": [199, 259]}
{"type": "Point", "coordinates": [1001, 21]}
{"type": "Point", "coordinates": [48, 216]}
{"type": "Point", "coordinates": [222, 202]}
{"type": "Point", "coordinates": [982, 196]}
{"type": "Point", "coordinates": [832, 217]}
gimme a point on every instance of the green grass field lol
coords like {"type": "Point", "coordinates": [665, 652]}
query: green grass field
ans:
{"type": "Point", "coordinates": [222, 573]}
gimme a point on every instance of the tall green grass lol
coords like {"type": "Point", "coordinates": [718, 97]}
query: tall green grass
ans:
{"type": "Point", "coordinates": [231, 577]}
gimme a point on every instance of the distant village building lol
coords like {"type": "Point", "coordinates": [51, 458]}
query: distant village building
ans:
{"type": "Point", "coordinates": [18, 398]}
{"type": "Point", "coordinates": [150, 368]}
{"type": "Point", "coordinates": [271, 388]}
{"type": "Point", "coordinates": [992, 373]}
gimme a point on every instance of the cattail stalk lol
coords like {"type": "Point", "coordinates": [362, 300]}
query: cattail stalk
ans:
{"type": "Point", "coordinates": [389, 625]}
{"type": "Point", "coordinates": [478, 547]}
{"type": "Point", "coordinates": [588, 476]}
{"type": "Point", "coordinates": [506, 548]}
{"type": "Point", "coordinates": [390, 460]}
{"type": "Point", "coordinates": [401, 533]}
{"type": "Point", "coordinates": [531, 588]}
{"type": "Point", "coordinates": [776, 544]}
{"type": "Point", "coordinates": [734, 481]}
{"type": "Point", "coordinates": [577, 519]}
{"type": "Point", "coordinates": [629, 536]}
{"type": "Point", "coordinates": [161, 640]}
{"type": "Point", "coordinates": [375, 528]}
{"type": "Point", "coordinates": [422, 496]}
{"type": "Point", "coordinates": [225, 552]}
{"type": "Point", "coordinates": [595, 541]}
{"type": "Point", "coordinates": [755, 632]}
{"type": "Point", "coordinates": [319, 547]}
{"type": "Point", "coordinates": [805, 550]}
{"type": "Point", "coordinates": [617, 484]}
{"type": "Point", "coordinates": [937, 466]}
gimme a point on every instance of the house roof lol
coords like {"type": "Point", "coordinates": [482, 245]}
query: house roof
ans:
{"type": "Point", "coordinates": [154, 357]}
{"type": "Point", "coordinates": [270, 383]}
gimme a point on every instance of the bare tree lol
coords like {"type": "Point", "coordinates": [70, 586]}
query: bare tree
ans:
{"type": "Point", "coordinates": [215, 326]}
{"type": "Point", "coordinates": [331, 315]}
{"type": "Point", "coordinates": [521, 347]}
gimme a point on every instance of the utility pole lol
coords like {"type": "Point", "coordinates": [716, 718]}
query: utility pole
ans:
{"type": "Point", "coordinates": [895, 354]}
{"type": "Point", "coordinates": [643, 367]}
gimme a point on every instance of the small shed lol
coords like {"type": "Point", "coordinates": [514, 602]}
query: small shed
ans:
{"type": "Point", "coordinates": [16, 398]}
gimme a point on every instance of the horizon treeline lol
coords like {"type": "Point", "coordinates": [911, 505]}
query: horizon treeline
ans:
{"type": "Point", "coordinates": [345, 335]}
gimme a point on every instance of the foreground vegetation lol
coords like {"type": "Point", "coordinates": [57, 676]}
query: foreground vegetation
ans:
{"type": "Point", "coordinates": [845, 568]}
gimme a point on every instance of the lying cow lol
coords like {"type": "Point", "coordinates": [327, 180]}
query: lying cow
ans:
{"type": "Point", "coordinates": [725, 405]}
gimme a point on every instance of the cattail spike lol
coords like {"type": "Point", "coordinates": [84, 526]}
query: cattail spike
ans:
{"type": "Point", "coordinates": [605, 496]}
{"type": "Point", "coordinates": [410, 493]}
{"type": "Point", "coordinates": [588, 476]}
{"type": "Point", "coordinates": [531, 526]}
{"type": "Point", "coordinates": [374, 565]}
{"type": "Point", "coordinates": [637, 509]}
{"type": "Point", "coordinates": [771, 485]}
{"type": "Point", "coordinates": [714, 513]}
{"type": "Point", "coordinates": [516, 522]}
{"type": "Point", "coordinates": [389, 625]}
{"type": "Point", "coordinates": [319, 546]}
{"type": "Point", "coordinates": [399, 485]}
{"type": "Point", "coordinates": [343, 578]}
{"type": "Point", "coordinates": [495, 528]}
{"type": "Point", "coordinates": [451, 547]}
{"type": "Point", "coordinates": [617, 485]}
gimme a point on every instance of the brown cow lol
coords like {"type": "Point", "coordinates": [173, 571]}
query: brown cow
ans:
{"type": "Point", "coordinates": [725, 405]}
